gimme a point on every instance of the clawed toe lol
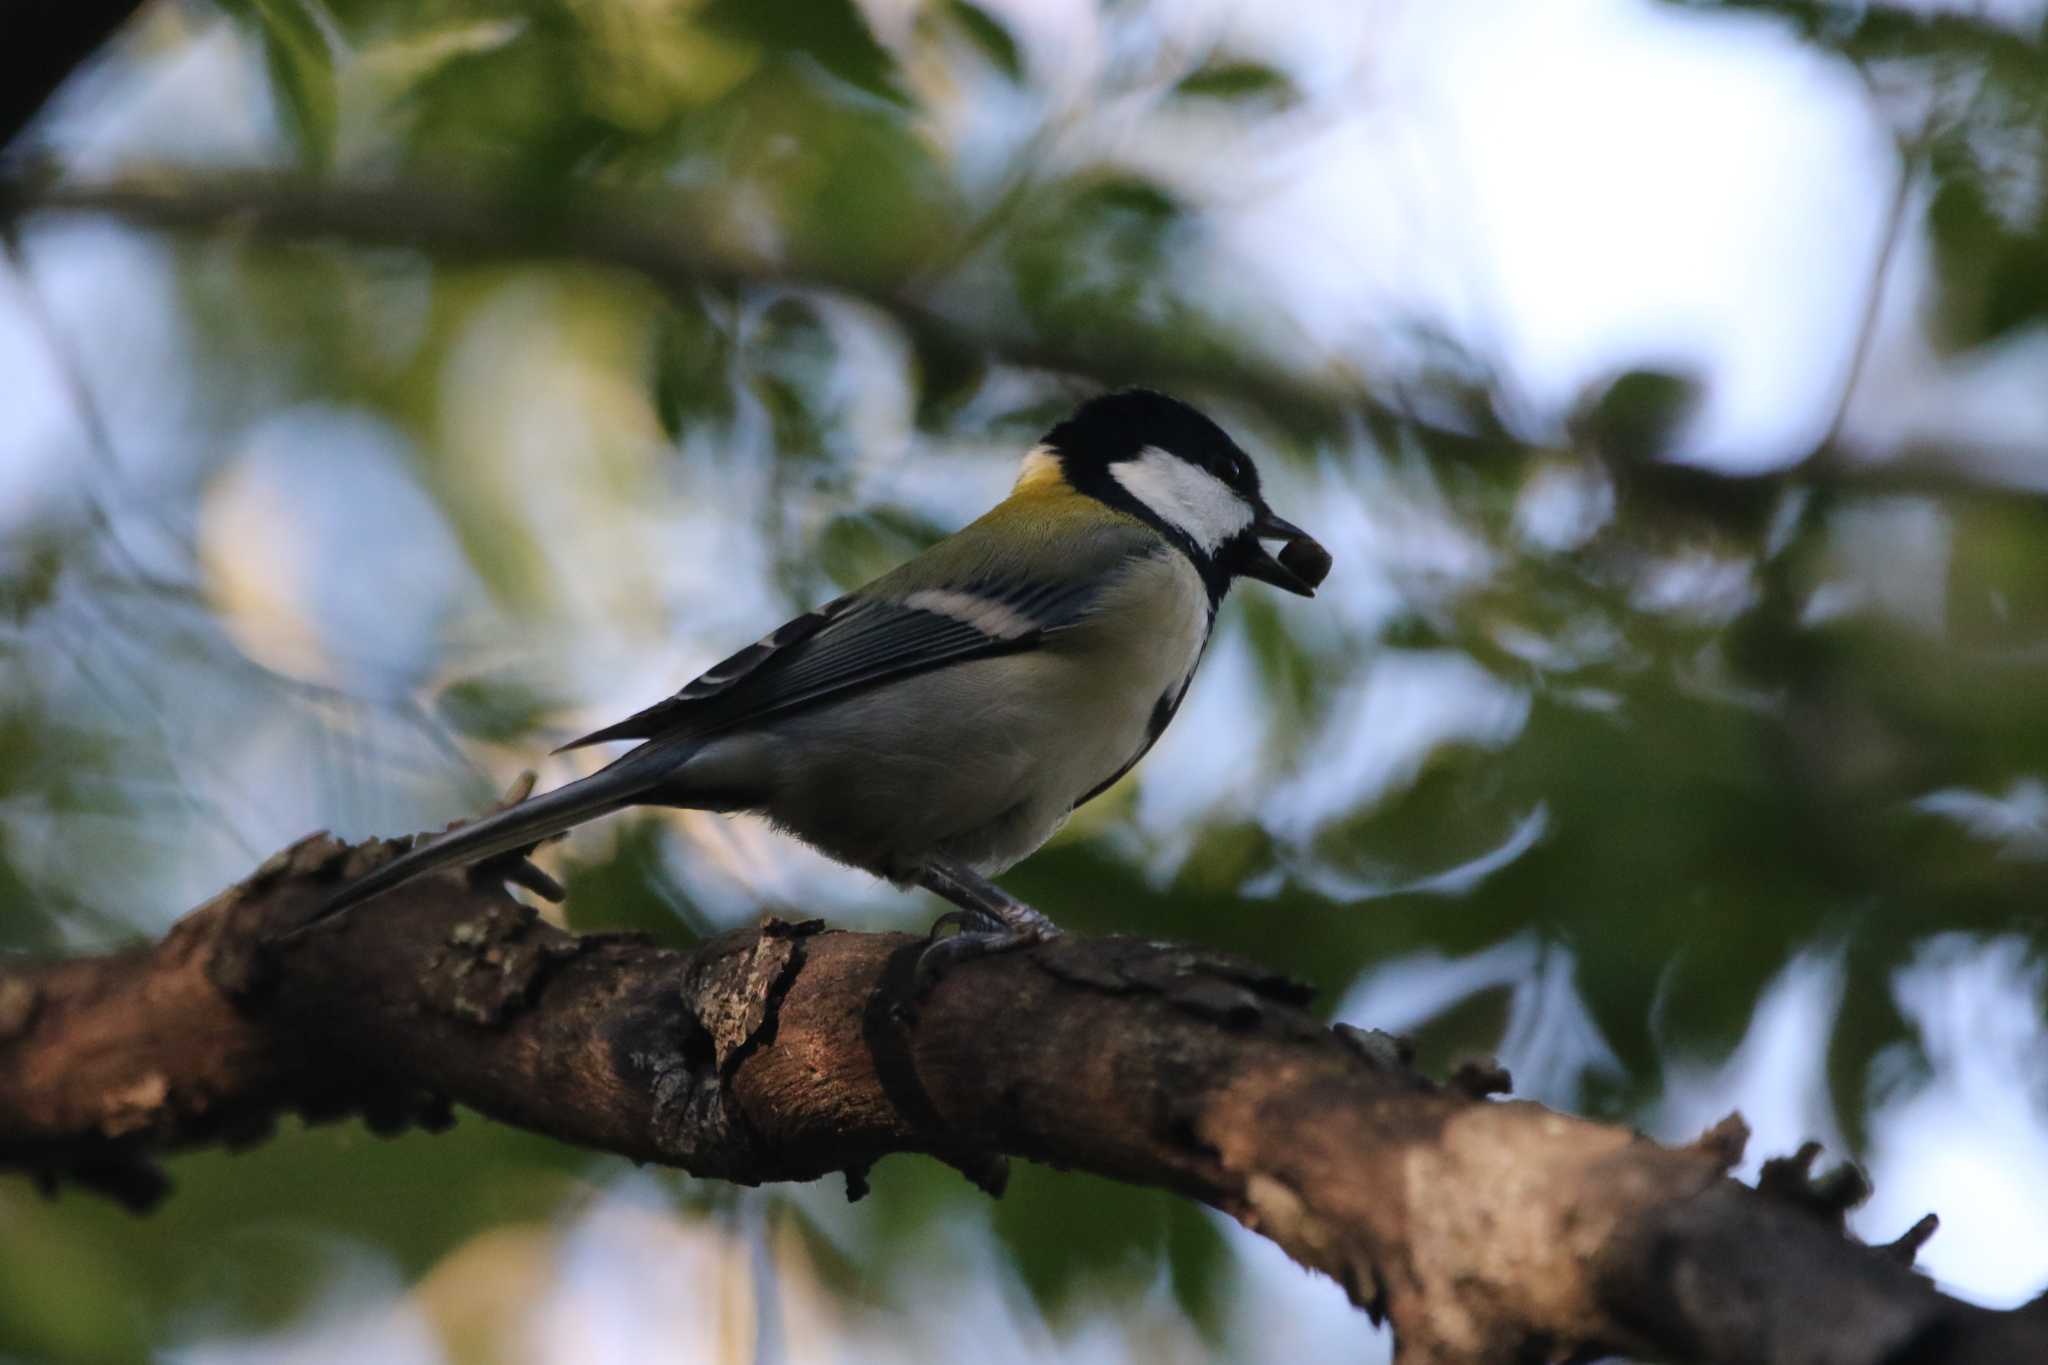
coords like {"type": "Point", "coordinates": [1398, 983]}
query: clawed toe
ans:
{"type": "Point", "coordinates": [514, 868]}
{"type": "Point", "coordinates": [954, 919]}
{"type": "Point", "coordinates": [941, 955]}
{"type": "Point", "coordinates": [989, 919]}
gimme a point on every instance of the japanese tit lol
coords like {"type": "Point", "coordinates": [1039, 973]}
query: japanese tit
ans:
{"type": "Point", "coordinates": [938, 725]}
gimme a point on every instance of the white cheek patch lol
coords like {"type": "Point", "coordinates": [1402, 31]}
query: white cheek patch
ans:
{"type": "Point", "coordinates": [1189, 499]}
{"type": "Point", "coordinates": [997, 620]}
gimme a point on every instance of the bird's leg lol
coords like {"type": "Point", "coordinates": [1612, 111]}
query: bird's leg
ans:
{"type": "Point", "coordinates": [991, 920]}
{"type": "Point", "coordinates": [983, 903]}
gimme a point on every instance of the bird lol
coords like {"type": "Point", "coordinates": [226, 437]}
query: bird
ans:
{"type": "Point", "coordinates": [938, 725]}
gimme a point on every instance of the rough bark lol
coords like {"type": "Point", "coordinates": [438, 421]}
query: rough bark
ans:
{"type": "Point", "coordinates": [1486, 1230]}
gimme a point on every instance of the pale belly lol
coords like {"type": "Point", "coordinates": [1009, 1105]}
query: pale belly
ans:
{"type": "Point", "coordinates": [981, 762]}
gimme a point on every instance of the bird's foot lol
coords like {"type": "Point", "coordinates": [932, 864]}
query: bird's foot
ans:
{"type": "Point", "coordinates": [515, 866]}
{"type": "Point", "coordinates": [981, 933]}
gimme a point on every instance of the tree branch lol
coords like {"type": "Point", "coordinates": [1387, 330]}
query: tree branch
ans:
{"type": "Point", "coordinates": [1485, 1230]}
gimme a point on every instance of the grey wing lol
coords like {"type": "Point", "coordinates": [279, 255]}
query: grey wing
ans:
{"type": "Point", "coordinates": [720, 677]}
{"type": "Point", "coordinates": [857, 642]}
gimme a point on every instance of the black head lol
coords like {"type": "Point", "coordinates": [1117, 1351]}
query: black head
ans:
{"type": "Point", "coordinates": [1160, 460]}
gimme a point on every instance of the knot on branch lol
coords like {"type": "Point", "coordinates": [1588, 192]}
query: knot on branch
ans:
{"type": "Point", "coordinates": [684, 1042]}
{"type": "Point", "coordinates": [660, 1046]}
{"type": "Point", "coordinates": [1384, 1051]}
{"type": "Point", "coordinates": [738, 995]}
{"type": "Point", "coordinates": [1479, 1078]}
{"type": "Point", "coordinates": [1906, 1247]}
{"type": "Point", "coordinates": [1789, 1180]}
{"type": "Point", "coordinates": [1828, 1196]}
{"type": "Point", "coordinates": [492, 963]}
{"type": "Point", "coordinates": [1725, 1142]}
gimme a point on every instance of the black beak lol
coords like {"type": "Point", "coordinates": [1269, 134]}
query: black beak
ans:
{"type": "Point", "coordinates": [1302, 564]}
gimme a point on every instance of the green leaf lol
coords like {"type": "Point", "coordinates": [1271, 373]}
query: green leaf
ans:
{"type": "Point", "coordinates": [1637, 416]}
{"type": "Point", "coordinates": [518, 110]}
{"type": "Point", "coordinates": [1197, 1259]}
{"type": "Point", "coordinates": [631, 891]}
{"type": "Point", "coordinates": [1994, 279]}
{"type": "Point", "coordinates": [493, 709]}
{"type": "Point", "coordinates": [950, 369]}
{"type": "Point", "coordinates": [397, 63]}
{"type": "Point", "coordinates": [789, 364]}
{"type": "Point", "coordinates": [1137, 200]}
{"type": "Point", "coordinates": [28, 576]}
{"type": "Point", "coordinates": [1069, 1233]}
{"type": "Point", "coordinates": [301, 66]}
{"type": "Point", "coordinates": [1094, 265]}
{"type": "Point", "coordinates": [1239, 81]}
{"type": "Point", "coordinates": [831, 33]}
{"type": "Point", "coordinates": [991, 37]}
{"type": "Point", "coordinates": [858, 547]}
{"type": "Point", "coordinates": [692, 369]}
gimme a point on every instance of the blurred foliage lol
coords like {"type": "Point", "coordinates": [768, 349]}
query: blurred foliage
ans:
{"type": "Point", "coordinates": [249, 1240]}
{"type": "Point", "coordinates": [1727, 705]}
{"type": "Point", "coordinates": [990, 36]}
{"type": "Point", "coordinates": [301, 67]}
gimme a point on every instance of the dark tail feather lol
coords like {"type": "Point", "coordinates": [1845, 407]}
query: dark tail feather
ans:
{"type": "Point", "coordinates": [606, 790]}
{"type": "Point", "coordinates": [632, 727]}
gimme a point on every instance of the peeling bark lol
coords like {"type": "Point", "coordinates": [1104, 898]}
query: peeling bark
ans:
{"type": "Point", "coordinates": [1485, 1230]}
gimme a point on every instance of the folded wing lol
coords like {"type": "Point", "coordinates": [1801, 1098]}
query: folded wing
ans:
{"type": "Point", "coordinates": [862, 640]}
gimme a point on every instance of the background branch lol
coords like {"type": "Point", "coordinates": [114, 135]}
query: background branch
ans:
{"type": "Point", "coordinates": [662, 238]}
{"type": "Point", "coordinates": [1484, 1230]}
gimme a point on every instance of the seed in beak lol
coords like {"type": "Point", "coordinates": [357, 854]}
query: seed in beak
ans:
{"type": "Point", "coordinates": [1307, 560]}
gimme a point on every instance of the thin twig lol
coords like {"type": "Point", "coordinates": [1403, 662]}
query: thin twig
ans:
{"type": "Point", "coordinates": [1873, 303]}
